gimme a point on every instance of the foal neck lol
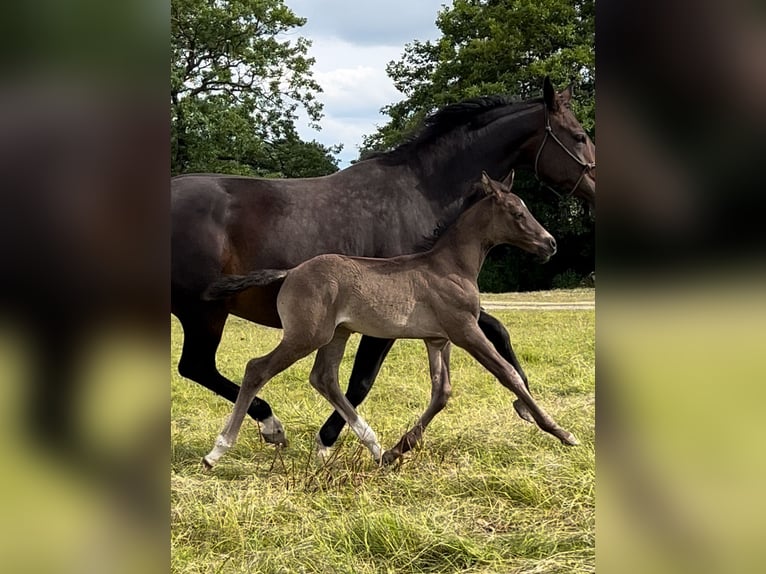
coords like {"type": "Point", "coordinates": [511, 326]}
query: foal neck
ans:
{"type": "Point", "coordinates": [466, 243]}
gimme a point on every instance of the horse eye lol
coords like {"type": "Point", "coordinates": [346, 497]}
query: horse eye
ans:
{"type": "Point", "coordinates": [581, 138]}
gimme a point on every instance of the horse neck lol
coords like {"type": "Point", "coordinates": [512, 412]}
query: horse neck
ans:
{"type": "Point", "coordinates": [454, 162]}
{"type": "Point", "coordinates": [466, 243]}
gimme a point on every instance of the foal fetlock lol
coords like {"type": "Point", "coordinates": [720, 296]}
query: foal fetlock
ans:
{"type": "Point", "coordinates": [410, 440]}
{"type": "Point", "coordinates": [523, 411]}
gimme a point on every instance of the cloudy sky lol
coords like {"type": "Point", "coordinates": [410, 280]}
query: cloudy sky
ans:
{"type": "Point", "coordinates": [353, 40]}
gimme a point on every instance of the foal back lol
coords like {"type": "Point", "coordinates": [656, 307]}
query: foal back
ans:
{"type": "Point", "coordinates": [385, 298]}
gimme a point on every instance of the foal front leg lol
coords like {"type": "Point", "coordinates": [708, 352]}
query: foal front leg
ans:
{"type": "Point", "coordinates": [438, 362]}
{"type": "Point", "coordinates": [476, 343]}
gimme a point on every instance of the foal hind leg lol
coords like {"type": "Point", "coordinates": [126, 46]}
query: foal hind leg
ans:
{"type": "Point", "coordinates": [500, 339]}
{"type": "Point", "coordinates": [470, 337]}
{"type": "Point", "coordinates": [203, 327]}
{"type": "Point", "coordinates": [369, 358]}
{"type": "Point", "coordinates": [324, 378]}
{"type": "Point", "coordinates": [257, 373]}
{"type": "Point", "coordinates": [438, 362]}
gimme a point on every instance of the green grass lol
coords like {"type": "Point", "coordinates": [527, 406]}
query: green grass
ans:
{"type": "Point", "coordinates": [579, 295]}
{"type": "Point", "coordinates": [486, 492]}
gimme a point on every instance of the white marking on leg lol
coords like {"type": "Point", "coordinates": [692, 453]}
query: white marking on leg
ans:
{"type": "Point", "coordinates": [367, 436]}
{"type": "Point", "coordinates": [323, 452]}
{"type": "Point", "coordinates": [220, 448]}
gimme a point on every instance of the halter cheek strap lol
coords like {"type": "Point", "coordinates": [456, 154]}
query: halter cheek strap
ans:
{"type": "Point", "coordinates": [586, 166]}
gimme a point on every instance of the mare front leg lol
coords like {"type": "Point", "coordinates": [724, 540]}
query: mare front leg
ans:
{"type": "Point", "coordinates": [438, 362]}
{"type": "Point", "coordinates": [324, 378]}
{"type": "Point", "coordinates": [369, 358]}
{"type": "Point", "coordinates": [469, 336]}
{"type": "Point", "coordinates": [257, 373]}
{"type": "Point", "coordinates": [498, 336]}
{"type": "Point", "coordinates": [203, 326]}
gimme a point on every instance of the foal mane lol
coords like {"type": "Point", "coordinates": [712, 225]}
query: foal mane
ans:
{"type": "Point", "coordinates": [476, 195]}
{"type": "Point", "coordinates": [468, 113]}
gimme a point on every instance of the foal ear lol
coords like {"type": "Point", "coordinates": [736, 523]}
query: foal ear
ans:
{"type": "Point", "coordinates": [508, 181]}
{"type": "Point", "coordinates": [549, 95]}
{"type": "Point", "coordinates": [490, 186]}
{"type": "Point", "coordinates": [486, 183]}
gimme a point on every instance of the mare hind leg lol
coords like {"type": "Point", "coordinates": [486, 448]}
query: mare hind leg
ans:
{"type": "Point", "coordinates": [498, 336]}
{"type": "Point", "coordinates": [438, 362]}
{"type": "Point", "coordinates": [470, 337]}
{"type": "Point", "coordinates": [257, 373]}
{"type": "Point", "coordinates": [369, 358]}
{"type": "Point", "coordinates": [324, 378]}
{"type": "Point", "coordinates": [203, 327]}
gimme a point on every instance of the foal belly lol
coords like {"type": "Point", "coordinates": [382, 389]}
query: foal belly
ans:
{"type": "Point", "coordinates": [392, 320]}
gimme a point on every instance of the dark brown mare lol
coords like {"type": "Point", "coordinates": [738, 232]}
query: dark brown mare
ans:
{"type": "Point", "coordinates": [432, 295]}
{"type": "Point", "coordinates": [380, 207]}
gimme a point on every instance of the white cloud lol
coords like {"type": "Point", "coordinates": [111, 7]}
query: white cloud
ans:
{"type": "Point", "coordinates": [353, 92]}
{"type": "Point", "coordinates": [352, 42]}
{"type": "Point", "coordinates": [392, 23]}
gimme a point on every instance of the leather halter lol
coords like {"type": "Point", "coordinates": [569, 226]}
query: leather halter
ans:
{"type": "Point", "coordinates": [586, 166]}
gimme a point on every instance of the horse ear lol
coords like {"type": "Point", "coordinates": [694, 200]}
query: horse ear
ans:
{"type": "Point", "coordinates": [549, 94]}
{"type": "Point", "coordinates": [508, 181]}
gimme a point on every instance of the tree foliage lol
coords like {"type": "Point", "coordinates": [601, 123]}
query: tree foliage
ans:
{"type": "Point", "coordinates": [238, 79]}
{"type": "Point", "coordinates": [505, 47]}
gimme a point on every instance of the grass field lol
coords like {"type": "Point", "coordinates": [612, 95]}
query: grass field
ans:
{"type": "Point", "coordinates": [486, 492]}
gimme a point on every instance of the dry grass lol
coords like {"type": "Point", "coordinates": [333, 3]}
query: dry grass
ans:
{"type": "Point", "coordinates": [487, 492]}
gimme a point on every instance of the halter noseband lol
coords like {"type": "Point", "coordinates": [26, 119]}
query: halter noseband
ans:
{"type": "Point", "coordinates": [586, 167]}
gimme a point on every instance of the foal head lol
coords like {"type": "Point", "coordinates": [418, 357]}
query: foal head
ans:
{"type": "Point", "coordinates": [513, 223]}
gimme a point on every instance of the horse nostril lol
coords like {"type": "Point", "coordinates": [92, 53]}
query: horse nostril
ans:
{"type": "Point", "coordinates": [552, 242]}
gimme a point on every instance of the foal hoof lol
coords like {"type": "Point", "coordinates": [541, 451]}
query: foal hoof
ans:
{"type": "Point", "coordinates": [570, 440]}
{"type": "Point", "coordinates": [390, 457]}
{"type": "Point", "coordinates": [523, 411]}
{"type": "Point", "coordinates": [206, 464]}
{"type": "Point", "coordinates": [273, 432]}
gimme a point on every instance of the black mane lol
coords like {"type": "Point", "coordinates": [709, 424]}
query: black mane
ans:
{"type": "Point", "coordinates": [427, 243]}
{"type": "Point", "coordinates": [469, 113]}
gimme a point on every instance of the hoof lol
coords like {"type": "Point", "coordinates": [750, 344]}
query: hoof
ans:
{"type": "Point", "coordinates": [523, 411]}
{"type": "Point", "coordinates": [389, 457]}
{"type": "Point", "coordinates": [570, 440]}
{"type": "Point", "coordinates": [206, 464]}
{"type": "Point", "coordinates": [278, 439]}
{"type": "Point", "coordinates": [273, 432]}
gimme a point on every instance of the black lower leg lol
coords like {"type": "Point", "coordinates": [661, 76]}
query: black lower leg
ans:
{"type": "Point", "coordinates": [197, 362]}
{"type": "Point", "coordinates": [498, 336]}
{"type": "Point", "coordinates": [369, 358]}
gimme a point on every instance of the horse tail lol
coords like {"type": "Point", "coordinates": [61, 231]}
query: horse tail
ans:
{"type": "Point", "coordinates": [232, 284]}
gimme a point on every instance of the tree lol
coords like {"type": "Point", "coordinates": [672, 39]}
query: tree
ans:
{"type": "Point", "coordinates": [237, 81]}
{"type": "Point", "coordinates": [505, 47]}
